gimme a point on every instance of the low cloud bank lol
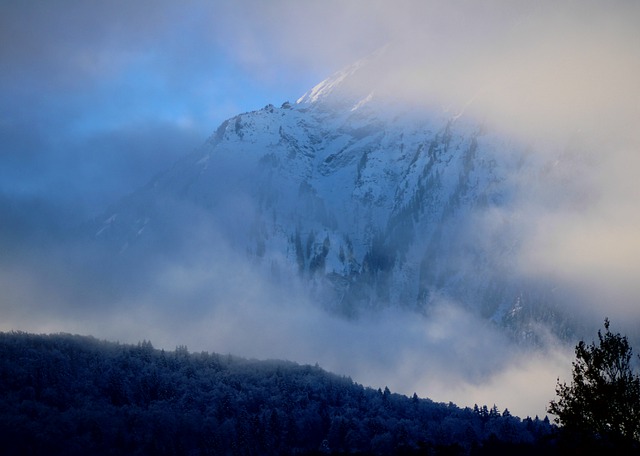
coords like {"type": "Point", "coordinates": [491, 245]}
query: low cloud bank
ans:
{"type": "Point", "coordinates": [222, 303]}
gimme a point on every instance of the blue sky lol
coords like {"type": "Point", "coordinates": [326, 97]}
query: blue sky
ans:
{"type": "Point", "coordinates": [99, 96]}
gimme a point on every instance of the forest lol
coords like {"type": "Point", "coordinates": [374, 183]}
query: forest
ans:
{"type": "Point", "coordinates": [72, 395]}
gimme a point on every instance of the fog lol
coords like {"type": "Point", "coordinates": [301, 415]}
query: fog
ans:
{"type": "Point", "coordinates": [98, 98]}
{"type": "Point", "coordinates": [219, 302]}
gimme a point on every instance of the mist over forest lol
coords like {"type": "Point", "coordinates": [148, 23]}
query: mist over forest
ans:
{"type": "Point", "coordinates": [64, 394]}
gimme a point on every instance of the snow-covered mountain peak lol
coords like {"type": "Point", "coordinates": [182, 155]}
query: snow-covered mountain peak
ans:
{"type": "Point", "coordinates": [329, 86]}
{"type": "Point", "coordinates": [369, 203]}
{"type": "Point", "coordinates": [353, 84]}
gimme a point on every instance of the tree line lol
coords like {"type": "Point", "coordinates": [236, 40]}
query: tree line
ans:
{"type": "Point", "coordinates": [65, 394]}
{"type": "Point", "coordinates": [73, 395]}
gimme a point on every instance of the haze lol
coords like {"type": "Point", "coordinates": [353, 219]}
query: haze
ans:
{"type": "Point", "coordinates": [98, 97]}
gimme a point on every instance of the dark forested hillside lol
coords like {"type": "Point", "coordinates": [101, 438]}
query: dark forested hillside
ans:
{"type": "Point", "coordinates": [64, 394]}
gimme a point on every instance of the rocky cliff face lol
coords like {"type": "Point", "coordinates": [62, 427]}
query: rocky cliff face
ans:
{"type": "Point", "coordinates": [370, 203]}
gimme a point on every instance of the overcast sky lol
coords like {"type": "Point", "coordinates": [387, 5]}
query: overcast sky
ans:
{"type": "Point", "coordinates": [97, 96]}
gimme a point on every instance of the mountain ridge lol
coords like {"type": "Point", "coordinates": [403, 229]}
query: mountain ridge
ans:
{"type": "Point", "coordinates": [372, 203]}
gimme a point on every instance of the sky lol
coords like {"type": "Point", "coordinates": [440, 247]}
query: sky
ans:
{"type": "Point", "coordinates": [97, 97]}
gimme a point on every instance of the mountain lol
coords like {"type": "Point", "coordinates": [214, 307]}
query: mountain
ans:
{"type": "Point", "coordinates": [367, 201]}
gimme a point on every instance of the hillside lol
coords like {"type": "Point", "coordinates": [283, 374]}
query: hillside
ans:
{"type": "Point", "coordinates": [64, 394]}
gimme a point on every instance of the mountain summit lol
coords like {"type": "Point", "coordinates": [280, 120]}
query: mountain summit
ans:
{"type": "Point", "coordinates": [367, 201]}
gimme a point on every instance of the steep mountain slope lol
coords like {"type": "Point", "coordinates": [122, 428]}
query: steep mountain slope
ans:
{"type": "Point", "coordinates": [370, 203]}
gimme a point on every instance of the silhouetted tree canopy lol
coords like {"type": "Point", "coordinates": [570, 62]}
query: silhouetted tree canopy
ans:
{"type": "Point", "coordinates": [73, 395]}
{"type": "Point", "coordinates": [603, 400]}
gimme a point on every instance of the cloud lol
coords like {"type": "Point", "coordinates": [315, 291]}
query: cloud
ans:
{"type": "Point", "coordinates": [525, 386]}
{"type": "Point", "coordinates": [100, 96]}
{"type": "Point", "coordinates": [77, 176]}
{"type": "Point", "coordinates": [92, 91]}
{"type": "Point", "coordinates": [548, 68]}
{"type": "Point", "coordinates": [220, 302]}
{"type": "Point", "coordinates": [209, 297]}
{"type": "Point", "coordinates": [593, 248]}
{"type": "Point", "coordinates": [564, 79]}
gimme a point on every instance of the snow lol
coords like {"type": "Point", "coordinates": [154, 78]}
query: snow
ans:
{"type": "Point", "coordinates": [326, 88]}
{"type": "Point", "coordinates": [413, 179]}
{"type": "Point", "coordinates": [362, 102]}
